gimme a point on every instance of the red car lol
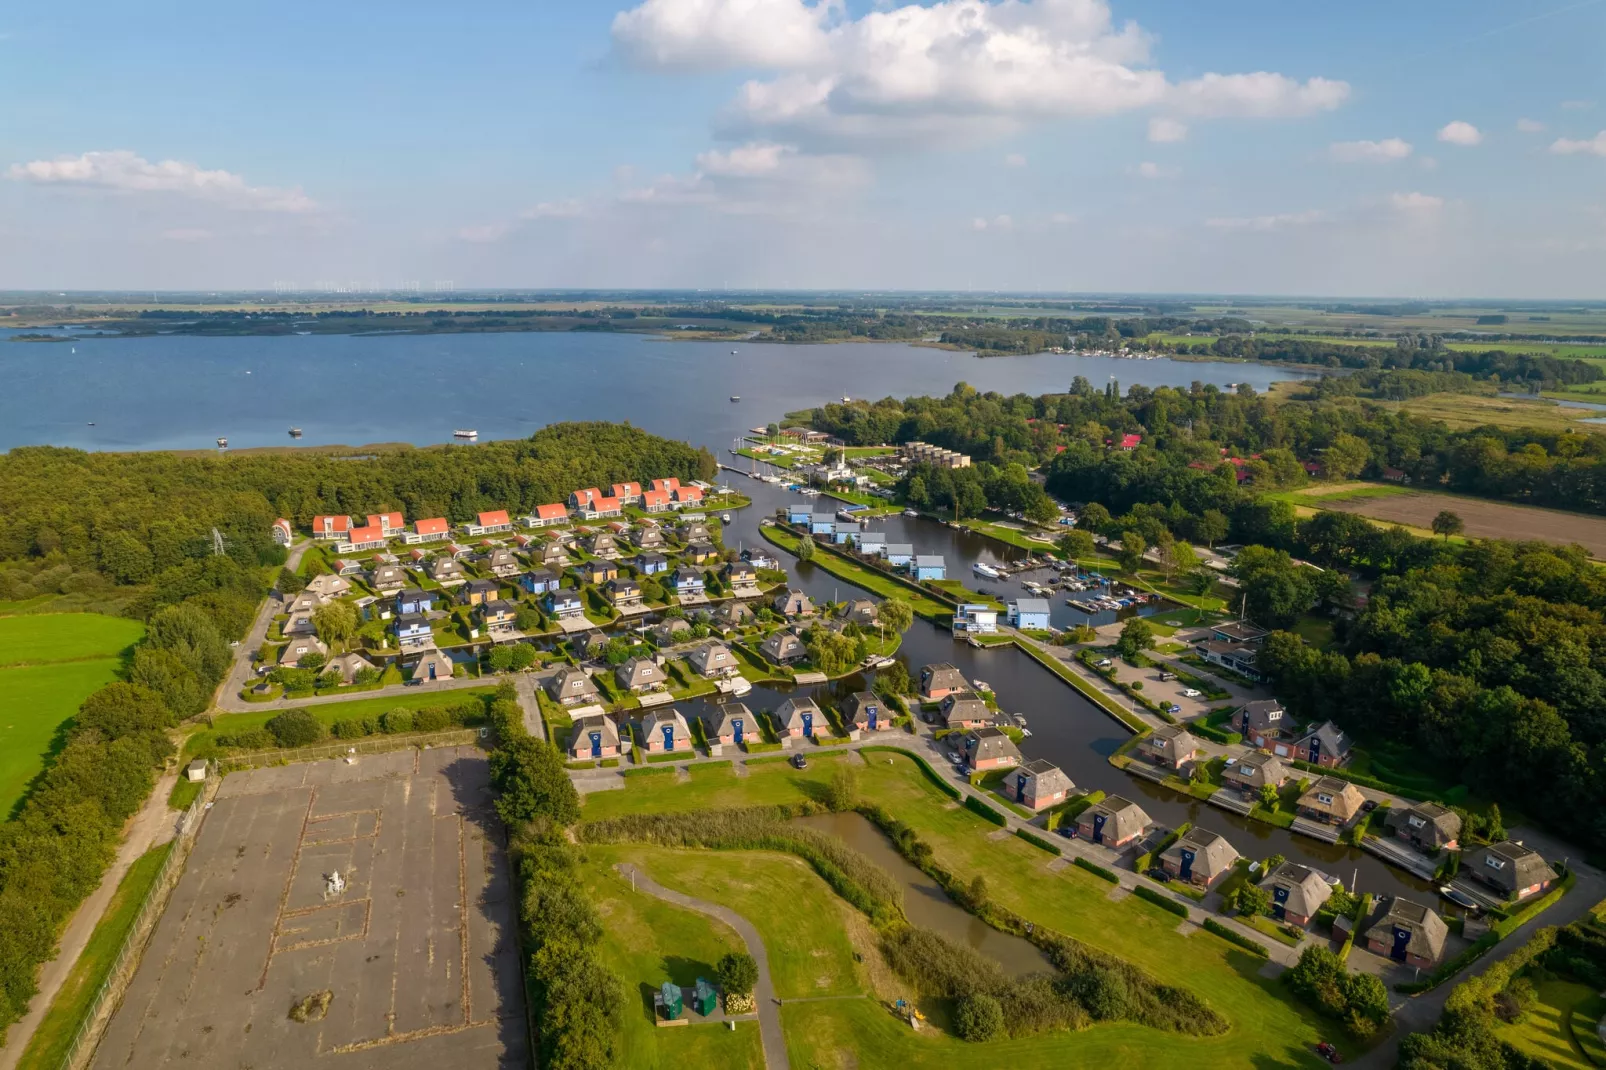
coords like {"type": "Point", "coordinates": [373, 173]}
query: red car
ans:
{"type": "Point", "coordinates": [1328, 1052]}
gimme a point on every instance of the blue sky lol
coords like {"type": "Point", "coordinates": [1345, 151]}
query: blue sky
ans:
{"type": "Point", "coordinates": [1424, 148]}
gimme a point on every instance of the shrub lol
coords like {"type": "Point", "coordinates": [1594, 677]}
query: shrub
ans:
{"type": "Point", "coordinates": [531, 782]}
{"type": "Point", "coordinates": [843, 791]}
{"type": "Point", "coordinates": [1104, 992]}
{"type": "Point", "coordinates": [1038, 841]}
{"type": "Point", "coordinates": [1234, 937]}
{"type": "Point", "coordinates": [976, 806]}
{"type": "Point", "coordinates": [396, 721]}
{"type": "Point", "coordinates": [1164, 902]}
{"type": "Point", "coordinates": [431, 719]}
{"type": "Point", "coordinates": [295, 728]}
{"type": "Point", "coordinates": [1359, 1000]}
{"type": "Point", "coordinates": [1096, 869]}
{"type": "Point", "coordinates": [738, 973]}
{"type": "Point", "coordinates": [350, 728]}
{"type": "Point", "coordinates": [979, 1017]}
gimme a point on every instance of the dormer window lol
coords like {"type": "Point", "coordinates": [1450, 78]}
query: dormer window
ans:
{"type": "Point", "coordinates": [1324, 799]}
{"type": "Point", "coordinates": [1494, 863]}
{"type": "Point", "coordinates": [1415, 821]}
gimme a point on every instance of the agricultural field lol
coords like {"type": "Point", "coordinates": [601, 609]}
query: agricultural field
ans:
{"type": "Point", "coordinates": [1560, 1025]}
{"type": "Point", "coordinates": [50, 663]}
{"type": "Point", "coordinates": [1484, 519]}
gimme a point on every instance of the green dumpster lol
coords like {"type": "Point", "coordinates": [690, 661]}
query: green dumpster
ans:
{"type": "Point", "coordinates": [705, 998]}
{"type": "Point", "coordinates": [670, 997]}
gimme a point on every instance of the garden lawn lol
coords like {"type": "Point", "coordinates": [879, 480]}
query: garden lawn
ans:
{"type": "Point", "coordinates": [55, 1034]}
{"type": "Point", "coordinates": [1545, 1032]}
{"type": "Point", "coordinates": [45, 638]}
{"type": "Point", "coordinates": [647, 942]}
{"type": "Point", "coordinates": [711, 787]}
{"type": "Point", "coordinates": [330, 712]}
{"type": "Point", "coordinates": [35, 702]}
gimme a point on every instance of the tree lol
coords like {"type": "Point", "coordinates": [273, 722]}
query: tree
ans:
{"type": "Point", "coordinates": [1132, 550]}
{"type": "Point", "coordinates": [1075, 544]}
{"type": "Point", "coordinates": [976, 894]}
{"type": "Point", "coordinates": [336, 622]}
{"type": "Point", "coordinates": [295, 728]}
{"type": "Point", "coordinates": [1252, 899]}
{"type": "Point", "coordinates": [530, 781]}
{"type": "Point", "coordinates": [528, 619]}
{"type": "Point", "coordinates": [831, 652]}
{"type": "Point", "coordinates": [897, 614]}
{"type": "Point", "coordinates": [290, 583]}
{"type": "Point", "coordinates": [1084, 633]}
{"type": "Point", "coordinates": [125, 558]}
{"type": "Point", "coordinates": [1040, 508]}
{"type": "Point", "coordinates": [978, 1017]}
{"type": "Point", "coordinates": [1199, 582]}
{"type": "Point", "coordinates": [1094, 518]}
{"type": "Point", "coordinates": [1268, 796]}
{"type": "Point", "coordinates": [1447, 524]}
{"type": "Point", "coordinates": [1345, 458]}
{"type": "Point", "coordinates": [1180, 557]}
{"type": "Point", "coordinates": [842, 793]}
{"type": "Point", "coordinates": [893, 679]}
{"type": "Point", "coordinates": [165, 674]}
{"type": "Point", "coordinates": [738, 973]}
{"type": "Point", "coordinates": [1211, 527]}
{"type": "Point", "coordinates": [1137, 635]}
{"type": "Point", "coordinates": [805, 548]}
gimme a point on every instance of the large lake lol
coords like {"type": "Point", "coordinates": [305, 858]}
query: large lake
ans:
{"type": "Point", "coordinates": [175, 392]}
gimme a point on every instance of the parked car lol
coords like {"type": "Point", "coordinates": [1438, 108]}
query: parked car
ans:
{"type": "Point", "coordinates": [1191, 692]}
{"type": "Point", "coordinates": [799, 762]}
{"type": "Point", "coordinates": [1168, 676]}
{"type": "Point", "coordinates": [1173, 708]}
{"type": "Point", "coordinates": [1105, 663]}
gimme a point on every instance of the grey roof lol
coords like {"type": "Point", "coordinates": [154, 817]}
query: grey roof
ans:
{"type": "Point", "coordinates": [790, 713]}
{"type": "Point", "coordinates": [666, 630]}
{"type": "Point", "coordinates": [707, 658]}
{"type": "Point", "coordinates": [1126, 816]}
{"type": "Point", "coordinates": [687, 574]}
{"type": "Point", "coordinates": [718, 719]}
{"type": "Point", "coordinates": [1049, 777]}
{"type": "Point", "coordinates": [872, 536]}
{"type": "Point", "coordinates": [1263, 714]}
{"type": "Point", "coordinates": [929, 561]}
{"type": "Point", "coordinates": [741, 569]}
{"type": "Point", "coordinates": [1031, 605]}
{"type": "Point", "coordinates": [793, 601]}
{"type": "Point", "coordinates": [1522, 867]}
{"type": "Point", "coordinates": [652, 724]}
{"type": "Point", "coordinates": [1344, 798]}
{"type": "Point", "coordinates": [822, 518]}
{"type": "Point", "coordinates": [900, 549]}
{"type": "Point", "coordinates": [1334, 740]}
{"type": "Point", "coordinates": [964, 706]}
{"type": "Point", "coordinates": [595, 722]}
{"type": "Point", "coordinates": [416, 594]}
{"type": "Point", "coordinates": [1428, 930]}
{"type": "Point", "coordinates": [942, 674]}
{"type": "Point", "coordinates": [1212, 854]}
{"type": "Point", "coordinates": [859, 702]}
{"type": "Point", "coordinates": [1414, 818]}
{"type": "Point", "coordinates": [473, 586]}
{"type": "Point", "coordinates": [1241, 630]}
{"type": "Point", "coordinates": [985, 743]}
{"type": "Point", "coordinates": [570, 683]}
{"type": "Point", "coordinates": [622, 585]}
{"type": "Point", "coordinates": [783, 645]}
{"type": "Point", "coordinates": [639, 672]}
{"type": "Point", "coordinates": [732, 612]}
{"type": "Point", "coordinates": [1307, 891]}
{"type": "Point", "coordinates": [541, 575]}
{"type": "Point", "coordinates": [1171, 739]}
{"type": "Point", "coordinates": [1255, 769]}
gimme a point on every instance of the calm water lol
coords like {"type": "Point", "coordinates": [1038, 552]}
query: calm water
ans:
{"type": "Point", "coordinates": [176, 392]}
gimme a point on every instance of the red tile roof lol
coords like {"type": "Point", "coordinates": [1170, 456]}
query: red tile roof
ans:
{"type": "Point", "coordinates": [393, 521]}
{"type": "Point", "coordinates": [688, 494]}
{"type": "Point", "coordinates": [492, 519]}
{"type": "Point", "coordinates": [331, 523]}
{"type": "Point", "coordinates": [604, 505]}
{"type": "Point", "coordinates": [587, 494]}
{"type": "Point", "coordinates": [433, 526]}
{"type": "Point", "coordinates": [665, 484]}
{"type": "Point", "coordinates": [1131, 442]}
{"type": "Point", "coordinates": [623, 490]}
{"type": "Point", "coordinates": [655, 497]}
{"type": "Point", "coordinates": [551, 512]}
{"type": "Point", "coordinates": [372, 533]}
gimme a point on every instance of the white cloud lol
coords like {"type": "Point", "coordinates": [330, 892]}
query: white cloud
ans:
{"type": "Point", "coordinates": [1015, 159]}
{"type": "Point", "coordinates": [1369, 151]}
{"type": "Point", "coordinates": [1163, 131]}
{"type": "Point", "coordinates": [1062, 219]}
{"type": "Point", "coordinates": [1150, 169]}
{"type": "Point", "coordinates": [1268, 222]}
{"type": "Point", "coordinates": [128, 172]}
{"type": "Point", "coordinates": [1415, 202]}
{"type": "Point", "coordinates": [1595, 146]}
{"type": "Point", "coordinates": [999, 222]}
{"type": "Point", "coordinates": [1578, 105]}
{"type": "Point", "coordinates": [1530, 126]}
{"type": "Point", "coordinates": [954, 67]}
{"type": "Point", "coordinates": [565, 209]}
{"type": "Point", "coordinates": [756, 158]}
{"type": "Point", "coordinates": [1460, 133]}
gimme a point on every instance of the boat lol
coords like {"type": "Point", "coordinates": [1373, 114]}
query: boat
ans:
{"type": "Point", "coordinates": [846, 399]}
{"type": "Point", "coordinates": [910, 512]}
{"type": "Point", "coordinates": [465, 432]}
{"type": "Point", "coordinates": [1025, 732]}
{"type": "Point", "coordinates": [725, 518]}
{"type": "Point", "coordinates": [91, 423]}
{"type": "Point", "coordinates": [222, 443]}
{"type": "Point", "coordinates": [986, 570]}
{"type": "Point", "coordinates": [736, 397]}
{"type": "Point", "coordinates": [295, 432]}
{"type": "Point", "coordinates": [733, 352]}
{"type": "Point", "coordinates": [1458, 897]}
{"type": "Point", "coordinates": [981, 685]}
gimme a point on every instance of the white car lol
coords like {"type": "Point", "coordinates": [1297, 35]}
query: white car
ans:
{"type": "Point", "coordinates": [1191, 692]}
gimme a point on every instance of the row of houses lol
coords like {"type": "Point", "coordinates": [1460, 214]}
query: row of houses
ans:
{"type": "Point", "coordinates": [854, 534]}
{"type": "Point", "coordinates": [926, 453]}
{"type": "Point", "coordinates": [665, 730]}
{"type": "Point", "coordinates": [975, 618]}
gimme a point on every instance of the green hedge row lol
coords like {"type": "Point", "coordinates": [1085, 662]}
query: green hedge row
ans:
{"type": "Point", "coordinates": [1096, 869]}
{"type": "Point", "coordinates": [648, 770]}
{"type": "Point", "coordinates": [1164, 902]}
{"type": "Point", "coordinates": [1038, 841]}
{"type": "Point", "coordinates": [1360, 778]}
{"type": "Point", "coordinates": [976, 806]}
{"type": "Point", "coordinates": [1214, 734]}
{"type": "Point", "coordinates": [1236, 938]}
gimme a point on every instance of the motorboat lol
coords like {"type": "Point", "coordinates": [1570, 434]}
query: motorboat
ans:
{"type": "Point", "coordinates": [222, 443]}
{"type": "Point", "coordinates": [295, 432]}
{"type": "Point", "coordinates": [465, 432]}
{"type": "Point", "coordinates": [910, 512]}
{"type": "Point", "coordinates": [736, 397]}
{"type": "Point", "coordinates": [988, 571]}
{"type": "Point", "coordinates": [981, 685]}
{"type": "Point", "coordinates": [1458, 897]}
{"type": "Point", "coordinates": [725, 518]}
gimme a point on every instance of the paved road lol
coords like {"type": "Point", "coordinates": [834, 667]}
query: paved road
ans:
{"type": "Point", "coordinates": [240, 674]}
{"type": "Point", "coordinates": [527, 685]}
{"type": "Point", "coordinates": [154, 824]}
{"type": "Point", "coordinates": [769, 1008]}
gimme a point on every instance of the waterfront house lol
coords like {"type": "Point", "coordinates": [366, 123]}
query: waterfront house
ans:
{"type": "Point", "coordinates": [347, 666]}
{"type": "Point", "coordinates": [861, 611]}
{"type": "Point", "coordinates": [1236, 657]}
{"type": "Point", "coordinates": [1237, 631]}
{"type": "Point", "coordinates": [1426, 826]}
{"type": "Point", "coordinates": [430, 666]}
{"type": "Point", "coordinates": [847, 531]}
{"type": "Point", "coordinates": [799, 514]}
{"type": "Point", "coordinates": [1332, 801]}
{"type": "Point", "coordinates": [1113, 822]}
{"type": "Point", "coordinates": [388, 578]}
{"type": "Point", "coordinates": [989, 748]}
{"type": "Point", "coordinates": [446, 571]}
{"type": "Point", "coordinates": [1261, 723]}
{"type": "Point", "coordinates": [939, 681]}
{"type": "Point", "coordinates": [330, 528]}
{"type": "Point", "coordinates": [693, 531]}
{"type": "Point", "coordinates": [666, 486]}
{"type": "Point", "coordinates": [822, 523]}
{"type": "Point", "coordinates": [415, 600]}
{"type": "Point", "coordinates": [1037, 785]}
{"type": "Point", "coordinates": [671, 630]}
{"type": "Point", "coordinates": [1170, 747]}
{"type": "Point", "coordinates": [1253, 771]}
{"type": "Point", "coordinates": [928, 567]}
{"type": "Point", "coordinates": [690, 585]}
{"type": "Point", "coordinates": [783, 648]}
{"type": "Point", "coordinates": [655, 501]}
{"type": "Point", "coordinates": [899, 554]}
{"type": "Point", "coordinates": [432, 530]}
{"type": "Point", "coordinates": [965, 710]}
{"type": "Point", "coordinates": [865, 711]}
{"type": "Point", "coordinates": [640, 674]}
{"type": "Point", "coordinates": [565, 605]}
{"type": "Point", "coordinates": [794, 603]}
{"type": "Point", "coordinates": [539, 581]}
{"type": "Point", "coordinates": [1297, 893]}
{"type": "Point", "coordinates": [498, 617]}
{"type": "Point", "coordinates": [798, 718]}
{"type": "Point", "coordinates": [299, 625]}
{"type": "Point", "coordinates": [546, 515]}
{"type": "Point", "coordinates": [742, 578]}
{"type": "Point", "coordinates": [593, 646]}
{"type": "Point", "coordinates": [713, 659]}
{"type": "Point", "coordinates": [1199, 857]}
{"type": "Point", "coordinates": [650, 538]}
{"type": "Point", "coordinates": [478, 592]}
{"type": "Point", "coordinates": [701, 553]}
{"type": "Point", "coordinates": [602, 544]}
{"type": "Point", "coordinates": [326, 586]}
{"type": "Point", "coordinates": [596, 571]}
{"type": "Point", "coordinates": [623, 592]}
{"type": "Point", "coordinates": [1325, 745]}
{"type": "Point", "coordinates": [293, 653]}
{"type": "Point", "coordinates": [1029, 613]}
{"type": "Point", "coordinates": [1512, 870]}
{"type": "Point", "coordinates": [684, 496]}
{"type": "Point", "coordinates": [346, 566]}
{"type": "Point", "coordinates": [628, 493]}
{"type": "Point", "coordinates": [489, 523]}
{"type": "Point", "coordinates": [728, 723]}
{"type": "Point", "coordinates": [650, 564]}
{"type": "Point", "coordinates": [413, 631]}
{"type": "Point", "coordinates": [1407, 932]}
{"type": "Point", "coordinates": [730, 615]}
{"type": "Point", "coordinates": [555, 554]}
{"type": "Point", "coordinates": [974, 618]}
{"type": "Point", "coordinates": [283, 534]}
{"type": "Point", "coordinates": [594, 736]}
{"type": "Point", "coordinates": [390, 524]}
{"type": "Point", "coordinates": [571, 686]}
{"type": "Point", "coordinates": [664, 730]}
{"type": "Point", "coordinates": [872, 542]}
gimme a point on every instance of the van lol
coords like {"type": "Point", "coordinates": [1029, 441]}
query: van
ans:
{"type": "Point", "coordinates": [1168, 676]}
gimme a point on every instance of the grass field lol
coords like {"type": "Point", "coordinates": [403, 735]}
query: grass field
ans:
{"type": "Point", "coordinates": [647, 942]}
{"type": "Point", "coordinates": [859, 1033]}
{"type": "Point", "coordinates": [201, 742]}
{"type": "Point", "coordinates": [1545, 1031]}
{"type": "Point", "coordinates": [50, 663]}
{"type": "Point", "coordinates": [1476, 410]}
{"type": "Point", "coordinates": [49, 1044]}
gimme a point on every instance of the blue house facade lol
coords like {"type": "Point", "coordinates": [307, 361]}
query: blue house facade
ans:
{"type": "Point", "coordinates": [689, 581]}
{"type": "Point", "coordinates": [539, 581]}
{"type": "Point", "coordinates": [846, 530]}
{"type": "Point", "coordinates": [565, 604]}
{"type": "Point", "coordinates": [652, 564]}
{"type": "Point", "coordinates": [412, 630]}
{"type": "Point", "coordinates": [822, 524]}
{"type": "Point", "coordinates": [798, 514]}
{"type": "Point", "coordinates": [872, 542]}
{"type": "Point", "coordinates": [900, 554]}
{"type": "Point", "coordinates": [929, 567]}
{"type": "Point", "coordinates": [415, 601]}
{"type": "Point", "coordinates": [1029, 613]}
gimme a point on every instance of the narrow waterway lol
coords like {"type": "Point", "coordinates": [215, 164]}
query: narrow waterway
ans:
{"type": "Point", "coordinates": [925, 904]}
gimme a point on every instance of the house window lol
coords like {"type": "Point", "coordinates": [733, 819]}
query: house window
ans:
{"type": "Point", "coordinates": [1274, 715]}
{"type": "Point", "coordinates": [1415, 822]}
{"type": "Point", "coordinates": [1325, 800]}
{"type": "Point", "coordinates": [1494, 863]}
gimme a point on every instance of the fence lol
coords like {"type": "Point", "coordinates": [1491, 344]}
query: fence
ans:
{"type": "Point", "coordinates": [457, 737]}
{"type": "Point", "coordinates": [122, 971]}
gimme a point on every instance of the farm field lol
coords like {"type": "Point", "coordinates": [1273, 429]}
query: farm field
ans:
{"type": "Point", "coordinates": [1484, 519]}
{"type": "Point", "coordinates": [1475, 410]}
{"type": "Point", "coordinates": [1546, 1032]}
{"type": "Point", "coordinates": [50, 663]}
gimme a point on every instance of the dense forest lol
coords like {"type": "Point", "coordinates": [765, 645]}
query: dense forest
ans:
{"type": "Point", "coordinates": [71, 520]}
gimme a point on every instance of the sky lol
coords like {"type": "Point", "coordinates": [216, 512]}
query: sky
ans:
{"type": "Point", "coordinates": [1424, 148]}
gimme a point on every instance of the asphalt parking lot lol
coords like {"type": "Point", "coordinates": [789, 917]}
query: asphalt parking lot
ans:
{"type": "Point", "coordinates": [416, 951]}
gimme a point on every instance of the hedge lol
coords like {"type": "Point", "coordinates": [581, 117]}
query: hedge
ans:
{"type": "Point", "coordinates": [1096, 869]}
{"type": "Point", "coordinates": [1214, 734]}
{"type": "Point", "coordinates": [1362, 909]}
{"type": "Point", "coordinates": [1497, 932]}
{"type": "Point", "coordinates": [976, 806]}
{"type": "Point", "coordinates": [947, 788]}
{"type": "Point", "coordinates": [1360, 778]}
{"type": "Point", "coordinates": [1164, 902]}
{"type": "Point", "coordinates": [1232, 936]}
{"type": "Point", "coordinates": [1143, 861]}
{"type": "Point", "coordinates": [1038, 841]}
{"type": "Point", "coordinates": [648, 770]}
{"type": "Point", "coordinates": [759, 747]}
{"type": "Point", "coordinates": [1506, 926]}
